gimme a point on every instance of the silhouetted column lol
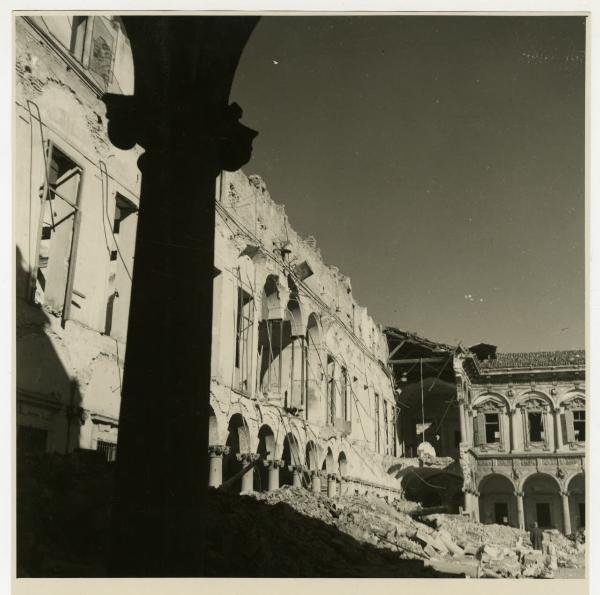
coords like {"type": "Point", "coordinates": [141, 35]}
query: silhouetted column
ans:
{"type": "Point", "coordinates": [476, 505]}
{"type": "Point", "coordinates": [248, 478]}
{"type": "Point", "coordinates": [180, 115]}
{"type": "Point", "coordinates": [215, 467]}
{"type": "Point", "coordinates": [566, 512]}
{"type": "Point", "coordinates": [316, 482]}
{"type": "Point", "coordinates": [520, 509]}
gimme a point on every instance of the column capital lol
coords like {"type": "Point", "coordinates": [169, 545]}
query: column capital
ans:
{"type": "Point", "coordinates": [332, 476]}
{"type": "Point", "coordinates": [217, 450]}
{"type": "Point", "coordinates": [565, 493]}
{"type": "Point", "coordinates": [273, 463]}
{"type": "Point", "coordinates": [297, 468]}
{"type": "Point", "coordinates": [519, 493]}
{"type": "Point", "coordinates": [247, 457]}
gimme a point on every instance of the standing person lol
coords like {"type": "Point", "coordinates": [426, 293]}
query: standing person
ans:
{"type": "Point", "coordinates": [536, 535]}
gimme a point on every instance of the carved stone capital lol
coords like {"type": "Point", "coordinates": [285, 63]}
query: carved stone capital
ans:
{"type": "Point", "coordinates": [519, 493]}
{"type": "Point", "coordinates": [565, 493]}
{"type": "Point", "coordinates": [218, 450]}
{"type": "Point", "coordinates": [247, 457]}
{"type": "Point", "coordinates": [273, 463]}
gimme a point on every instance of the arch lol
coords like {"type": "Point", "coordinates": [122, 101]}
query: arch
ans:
{"type": "Point", "coordinates": [312, 456]}
{"type": "Point", "coordinates": [542, 501]}
{"type": "Point", "coordinates": [575, 400]}
{"type": "Point", "coordinates": [342, 464]}
{"type": "Point", "coordinates": [497, 399]}
{"type": "Point", "coordinates": [538, 398]}
{"type": "Point", "coordinates": [290, 456]}
{"type": "Point", "coordinates": [576, 495]}
{"type": "Point", "coordinates": [314, 369]}
{"type": "Point", "coordinates": [238, 441]}
{"type": "Point", "coordinates": [266, 449]}
{"type": "Point", "coordinates": [328, 464]}
{"type": "Point", "coordinates": [497, 501]}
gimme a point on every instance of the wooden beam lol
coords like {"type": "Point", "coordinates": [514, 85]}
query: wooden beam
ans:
{"type": "Point", "coordinates": [416, 360]}
{"type": "Point", "coordinates": [395, 350]}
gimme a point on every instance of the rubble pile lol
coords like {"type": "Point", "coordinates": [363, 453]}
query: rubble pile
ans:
{"type": "Point", "coordinates": [294, 533]}
{"type": "Point", "coordinates": [449, 543]}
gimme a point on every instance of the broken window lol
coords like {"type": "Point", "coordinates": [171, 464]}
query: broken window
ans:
{"type": "Point", "coordinates": [93, 41]}
{"type": "Point", "coordinates": [492, 428]}
{"type": "Point", "coordinates": [270, 340]}
{"type": "Point", "coordinates": [344, 393]}
{"type": "Point", "coordinates": [243, 339]}
{"type": "Point", "coordinates": [80, 25]}
{"type": "Point", "coordinates": [536, 426]}
{"type": "Point", "coordinates": [387, 427]}
{"type": "Point", "coordinates": [108, 450]}
{"type": "Point", "coordinates": [377, 428]}
{"type": "Point", "coordinates": [579, 425]}
{"type": "Point", "coordinates": [59, 223]}
{"type": "Point", "coordinates": [331, 392]}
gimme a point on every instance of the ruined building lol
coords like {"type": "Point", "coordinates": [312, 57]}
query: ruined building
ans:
{"type": "Point", "coordinates": [501, 435]}
{"type": "Point", "coordinates": [300, 370]}
{"type": "Point", "coordinates": [75, 213]}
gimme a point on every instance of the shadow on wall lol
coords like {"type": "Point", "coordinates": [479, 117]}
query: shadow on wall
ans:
{"type": "Point", "coordinates": [49, 418]}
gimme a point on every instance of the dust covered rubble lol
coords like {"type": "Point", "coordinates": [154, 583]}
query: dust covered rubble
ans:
{"type": "Point", "coordinates": [450, 543]}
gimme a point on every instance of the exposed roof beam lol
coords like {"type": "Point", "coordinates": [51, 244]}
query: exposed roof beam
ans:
{"type": "Point", "coordinates": [395, 350]}
{"type": "Point", "coordinates": [416, 360]}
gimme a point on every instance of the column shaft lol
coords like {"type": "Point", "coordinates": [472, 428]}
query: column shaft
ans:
{"type": "Point", "coordinates": [461, 419]}
{"type": "Point", "coordinates": [273, 480]}
{"type": "Point", "coordinates": [316, 483]}
{"type": "Point", "coordinates": [566, 513]}
{"type": "Point", "coordinates": [520, 511]}
{"type": "Point", "coordinates": [558, 430]}
{"type": "Point", "coordinates": [215, 470]}
{"type": "Point", "coordinates": [296, 479]}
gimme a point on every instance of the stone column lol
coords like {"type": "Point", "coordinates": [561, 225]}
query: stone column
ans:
{"type": "Point", "coordinates": [461, 419]}
{"type": "Point", "coordinates": [331, 485]}
{"type": "Point", "coordinates": [215, 466]}
{"type": "Point", "coordinates": [558, 430]}
{"type": "Point", "coordinates": [273, 467]}
{"type": "Point", "coordinates": [248, 478]}
{"type": "Point", "coordinates": [566, 512]}
{"type": "Point", "coordinates": [513, 429]}
{"type": "Point", "coordinates": [296, 475]}
{"type": "Point", "coordinates": [475, 506]}
{"type": "Point", "coordinates": [520, 509]}
{"type": "Point", "coordinates": [158, 517]}
{"type": "Point", "coordinates": [316, 482]}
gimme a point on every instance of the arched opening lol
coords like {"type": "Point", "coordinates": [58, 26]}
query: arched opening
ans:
{"type": "Point", "coordinates": [497, 501]}
{"type": "Point", "coordinates": [238, 441]}
{"type": "Point", "coordinates": [342, 464]}
{"type": "Point", "coordinates": [266, 449]}
{"type": "Point", "coordinates": [311, 460]}
{"type": "Point", "coordinates": [542, 502]}
{"type": "Point", "coordinates": [290, 456]}
{"type": "Point", "coordinates": [213, 428]}
{"type": "Point", "coordinates": [329, 462]}
{"type": "Point", "coordinates": [314, 370]}
{"type": "Point", "coordinates": [576, 489]}
{"type": "Point", "coordinates": [293, 358]}
{"type": "Point", "coordinates": [270, 337]}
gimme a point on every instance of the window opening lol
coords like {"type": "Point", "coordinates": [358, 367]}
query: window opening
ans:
{"type": "Point", "coordinates": [579, 425]}
{"type": "Point", "coordinates": [243, 339]}
{"type": "Point", "coordinates": [330, 390]}
{"type": "Point", "coordinates": [59, 224]}
{"type": "Point", "coordinates": [108, 450]}
{"type": "Point", "coordinates": [536, 427]}
{"type": "Point", "coordinates": [492, 428]}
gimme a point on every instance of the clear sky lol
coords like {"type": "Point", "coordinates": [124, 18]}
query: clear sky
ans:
{"type": "Point", "coordinates": [439, 162]}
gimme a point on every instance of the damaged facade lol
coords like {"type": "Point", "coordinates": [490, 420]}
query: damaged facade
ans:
{"type": "Point", "coordinates": [501, 435]}
{"type": "Point", "coordinates": [299, 368]}
{"type": "Point", "coordinates": [75, 221]}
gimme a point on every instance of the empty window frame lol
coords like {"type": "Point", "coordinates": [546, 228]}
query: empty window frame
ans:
{"type": "Point", "coordinates": [492, 428]}
{"type": "Point", "coordinates": [331, 392]}
{"type": "Point", "coordinates": [387, 427]}
{"type": "Point", "coordinates": [579, 425]}
{"type": "Point", "coordinates": [93, 43]}
{"type": "Point", "coordinates": [108, 449]}
{"type": "Point", "coordinates": [123, 208]}
{"type": "Point", "coordinates": [54, 269]}
{"type": "Point", "coordinates": [344, 390]}
{"type": "Point", "coordinates": [377, 425]}
{"type": "Point", "coordinates": [536, 426]}
{"type": "Point", "coordinates": [243, 339]}
{"type": "Point", "coordinates": [270, 338]}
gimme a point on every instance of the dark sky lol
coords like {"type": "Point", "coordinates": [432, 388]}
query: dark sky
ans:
{"type": "Point", "coordinates": [439, 162]}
